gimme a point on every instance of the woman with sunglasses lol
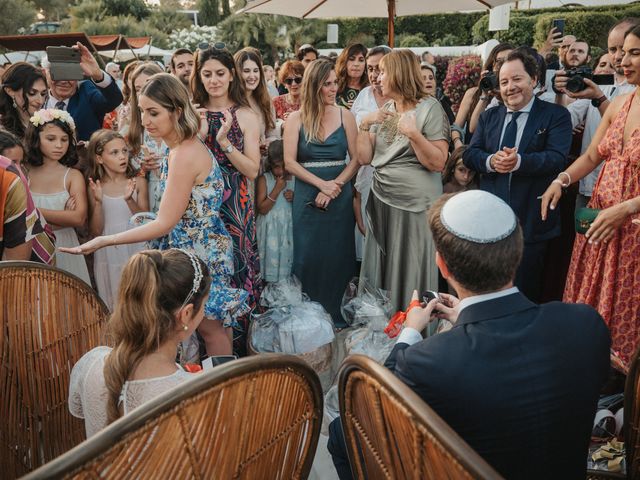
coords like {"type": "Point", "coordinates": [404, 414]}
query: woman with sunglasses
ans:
{"type": "Point", "coordinates": [316, 141]}
{"type": "Point", "coordinates": [233, 135]}
{"type": "Point", "coordinates": [290, 75]}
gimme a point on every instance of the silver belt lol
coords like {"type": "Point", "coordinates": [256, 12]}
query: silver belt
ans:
{"type": "Point", "coordinates": [338, 163]}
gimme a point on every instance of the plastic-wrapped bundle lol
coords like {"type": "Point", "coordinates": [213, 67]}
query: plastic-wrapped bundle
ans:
{"type": "Point", "coordinates": [283, 293]}
{"type": "Point", "coordinates": [363, 304]}
{"type": "Point", "coordinates": [372, 343]}
{"type": "Point", "coordinates": [300, 328]}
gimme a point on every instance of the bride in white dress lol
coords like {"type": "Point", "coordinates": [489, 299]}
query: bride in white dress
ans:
{"type": "Point", "coordinates": [162, 293]}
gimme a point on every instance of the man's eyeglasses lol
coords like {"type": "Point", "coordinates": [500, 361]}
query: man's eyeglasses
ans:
{"type": "Point", "coordinates": [289, 81]}
{"type": "Point", "coordinates": [215, 46]}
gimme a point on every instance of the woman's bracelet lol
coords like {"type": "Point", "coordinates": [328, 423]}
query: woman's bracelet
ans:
{"type": "Point", "coordinates": [559, 182]}
{"type": "Point", "coordinates": [568, 179]}
{"type": "Point", "coordinates": [364, 129]}
{"type": "Point", "coordinates": [269, 197]}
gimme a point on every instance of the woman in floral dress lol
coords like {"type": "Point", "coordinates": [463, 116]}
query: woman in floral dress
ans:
{"type": "Point", "coordinates": [188, 217]}
{"type": "Point", "coordinates": [233, 135]}
{"type": "Point", "coordinates": [605, 269]}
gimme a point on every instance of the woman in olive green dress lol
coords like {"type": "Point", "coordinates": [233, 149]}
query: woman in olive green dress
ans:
{"type": "Point", "coordinates": [406, 142]}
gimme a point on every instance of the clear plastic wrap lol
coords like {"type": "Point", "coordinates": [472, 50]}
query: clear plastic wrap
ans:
{"type": "Point", "coordinates": [370, 342]}
{"type": "Point", "coordinates": [295, 329]}
{"type": "Point", "coordinates": [283, 293]}
{"type": "Point", "coordinates": [363, 304]}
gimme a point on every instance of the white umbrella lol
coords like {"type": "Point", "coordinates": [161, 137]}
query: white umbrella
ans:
{"type": "Point", "coordinates": [365, 8]}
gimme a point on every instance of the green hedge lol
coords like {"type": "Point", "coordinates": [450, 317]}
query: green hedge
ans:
{"type": "Point", "coordinates": [530, 27]}
{"type": "Point", "coordinates": [432, 28]}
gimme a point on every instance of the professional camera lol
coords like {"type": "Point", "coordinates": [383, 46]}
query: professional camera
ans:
{"type": "Point", "coordinates": [489, 82]}
{"type": "Point", "coordinates": [576, 84]}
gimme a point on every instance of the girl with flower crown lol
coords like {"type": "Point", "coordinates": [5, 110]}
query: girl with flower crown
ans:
{"type": "Point", "coordinates": [58, 190]}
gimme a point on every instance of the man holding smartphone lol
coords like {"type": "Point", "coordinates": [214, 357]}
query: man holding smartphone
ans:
{"type": "Point", "coordinates": [87, 101]}
{"type": "Point", "coordinates": [514, 379]}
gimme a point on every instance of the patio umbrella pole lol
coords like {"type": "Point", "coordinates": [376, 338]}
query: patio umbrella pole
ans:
{"type": "Point", "coordinates": [391, 5]}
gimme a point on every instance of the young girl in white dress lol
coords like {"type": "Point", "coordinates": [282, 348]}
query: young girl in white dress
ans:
{"type": "Point", "coordinates": [115, 194]}
{"type": "Point", "coordinates": [162, 294]}
{"type": "Point", "coordinates": [274, 194]}
{"type": "Point", "coordinates": [58, 190]}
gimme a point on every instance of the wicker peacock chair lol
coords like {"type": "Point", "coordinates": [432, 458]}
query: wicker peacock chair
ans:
{"type": "Point", "coordinates": [49, 320]}
{"type": "Point", "coordinates": [258, 417]}
{"type": "Point", "coordinates": [392, 434]}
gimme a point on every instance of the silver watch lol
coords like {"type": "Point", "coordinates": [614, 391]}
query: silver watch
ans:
{"type": "Point", "coordinates": [228, 149]}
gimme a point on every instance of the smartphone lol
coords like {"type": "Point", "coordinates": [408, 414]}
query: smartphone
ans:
{"type": "Point", "coordinates": [313, 205]}
{"type": "Point", "coordinates": [558, 24]}
{"type": "Point", "coordinates": [216, 360]}
{"type": "Point", "coordinates": [603, 79]}
{"type": "Point", "coordinates": [429, 295]}
{"type": "Point", "coordinates": [65, 63]}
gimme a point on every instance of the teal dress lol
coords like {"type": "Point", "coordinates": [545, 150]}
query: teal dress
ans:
{"type": "Point", "coordinates": [324, 257]}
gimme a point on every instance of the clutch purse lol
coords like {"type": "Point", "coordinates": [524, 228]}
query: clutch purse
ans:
{"type": "Point", "coordinates": [584, 218]}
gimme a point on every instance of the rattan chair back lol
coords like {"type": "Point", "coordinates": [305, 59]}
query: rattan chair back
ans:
{"type": "Point", "coordinates": [258, 417]}
{"type": "Point", "coordinates": [49, 320]}
{"type": "Point", "coordinates": [392, 434]}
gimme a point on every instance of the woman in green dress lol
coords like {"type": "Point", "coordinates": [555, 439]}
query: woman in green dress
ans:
{"type": "Point", "coordinates": [406, 142]}
{"type": "Point", "coordinates": [316, 141]}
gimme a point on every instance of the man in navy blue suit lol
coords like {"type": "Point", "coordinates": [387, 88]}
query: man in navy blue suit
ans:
{"type": "Point", "coordinates": [87, 101]}
{"type": "Point", "coordinates": [519, 382]}
{"type": "Point", "coordinates": [518, 148]}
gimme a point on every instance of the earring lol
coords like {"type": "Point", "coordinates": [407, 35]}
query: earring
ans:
{"type": "Point", "coordinates": [15, 105]}
{"type": "Point", "coordinates": [184, 327]}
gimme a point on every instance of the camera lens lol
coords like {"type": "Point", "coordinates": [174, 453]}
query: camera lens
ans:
{"type": "Point", "coordinates": [576, 84]}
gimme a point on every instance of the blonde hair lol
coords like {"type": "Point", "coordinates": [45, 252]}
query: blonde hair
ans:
{"type": "Point", "coordinates": [402, 69]}
{"type": "Point", "coordinates": [97, 143]}
{"type": "Point", "coordinates": [153, 287]}
{"type": "Point", "coordinates": [311, 105]}
{"type": "Point", "coordinates": [169, 92]}
{"type": "Point", "coordinates": [134, 135]}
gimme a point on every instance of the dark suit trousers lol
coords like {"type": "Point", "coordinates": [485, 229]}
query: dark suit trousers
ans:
{"type": "Point", "coordinates": [338, 450]}
{"type": "Point", "coordinates": [529, 274]}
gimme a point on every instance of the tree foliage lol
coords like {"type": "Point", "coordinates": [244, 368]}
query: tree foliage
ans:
{"type": "Point", "coordinates": [17, 14]}
{"type": "Point", "coordinates": [51, 9]}
{"type": "Point", "coordinates": [127, 17]}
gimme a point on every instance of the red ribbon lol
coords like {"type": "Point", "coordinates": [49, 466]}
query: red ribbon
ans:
{"type": "Point", "coordinates": [394, 327]}
{"type": "Point", "coordinates": [192, 367]}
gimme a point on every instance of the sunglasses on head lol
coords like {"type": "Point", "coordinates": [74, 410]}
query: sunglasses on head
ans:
{"type": "Point", "coordinates": [215, 46]}
{"type": "Point", "coordinates": [289, 81]}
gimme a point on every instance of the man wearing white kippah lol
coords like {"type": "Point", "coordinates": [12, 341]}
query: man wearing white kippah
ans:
{"type": "Point", "coordinates": [519, 382]}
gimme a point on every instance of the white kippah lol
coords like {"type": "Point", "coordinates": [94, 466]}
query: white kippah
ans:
{"type": "Point", "coordinates": [478, 216]}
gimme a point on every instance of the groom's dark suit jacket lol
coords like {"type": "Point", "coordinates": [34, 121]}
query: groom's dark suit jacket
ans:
{"type": "Point", "coordinates": [518, 381]}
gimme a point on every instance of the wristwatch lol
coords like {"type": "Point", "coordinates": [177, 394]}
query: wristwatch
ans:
{"type": "Point", "coordinates": [596, 102]}
{"type": "Point", "coordinates": [228, 148]}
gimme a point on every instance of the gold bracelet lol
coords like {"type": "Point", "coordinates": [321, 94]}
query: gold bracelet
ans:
{"type": "Point", "coordinates": [364, 129]}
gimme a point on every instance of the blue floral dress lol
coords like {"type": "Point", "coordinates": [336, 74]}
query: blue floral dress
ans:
{"type": "Point", "coordinates": [201, 231]}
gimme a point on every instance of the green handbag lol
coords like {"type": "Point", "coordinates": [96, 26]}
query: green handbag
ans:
{"type": "Point", "coordinates": [584, 218]}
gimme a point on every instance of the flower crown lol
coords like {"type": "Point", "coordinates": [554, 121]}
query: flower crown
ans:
{"type": "Point", "coordinates": [44, 116]}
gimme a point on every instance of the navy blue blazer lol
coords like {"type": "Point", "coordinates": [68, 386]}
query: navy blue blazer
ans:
{"type": "Point", "coordinates": [90, 104]}
{"type": "Point", "coordinates": [517, 381]}
{"type": "Point", "coordinates": [543, 148]}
